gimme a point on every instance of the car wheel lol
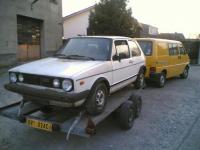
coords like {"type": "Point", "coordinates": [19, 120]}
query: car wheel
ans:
{"type": "Point", "coordinates": [127, 115]}
{"type": "Point", "coordinates": [140, 81]}
{"type": "Point", "coordinates": [184, 75]}
{"type": "Point", "coordinates": [161, 80]}
{"type": "Point", "coordinates": [96, 101]}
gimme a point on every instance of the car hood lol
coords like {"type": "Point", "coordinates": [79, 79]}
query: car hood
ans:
{"type": "Point", "coordinates": [56, 67]}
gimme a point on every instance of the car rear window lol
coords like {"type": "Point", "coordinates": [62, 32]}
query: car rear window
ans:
{"type": "Point", "coordinates": [146, 47]}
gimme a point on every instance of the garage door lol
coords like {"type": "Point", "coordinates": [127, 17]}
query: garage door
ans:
{"type": "Point", "coordinates": [29, 35]}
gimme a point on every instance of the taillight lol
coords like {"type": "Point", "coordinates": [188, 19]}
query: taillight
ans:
{"type": "Point", "coordinates": [152, 69]}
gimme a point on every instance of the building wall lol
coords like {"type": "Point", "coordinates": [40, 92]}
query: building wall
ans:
{"type": "Point", "coordinates": [49, 13]}
{"type": "Point", "coordinates": [153, 30]}
{"type": "Point", "coordinates": [172, 36]}
{"type": "Point", "coordinates": [148, 31]}
{"type": "Point", "coordinates": [193, 48]}
{"type": "Point", "coordinates": [76, 25]}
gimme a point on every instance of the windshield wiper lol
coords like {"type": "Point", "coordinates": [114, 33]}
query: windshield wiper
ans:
{"type": "Point", "coordinates": [72, 56]}
{"type": "Point", "coordinates": [59, 55]}
{"type": "Point", "coordinates": [79, 56]}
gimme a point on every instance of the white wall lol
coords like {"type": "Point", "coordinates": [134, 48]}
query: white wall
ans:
{"type": "Point", "coordinates": [76, 25]}
{"type": "Point", "coordinates": [153, 30]}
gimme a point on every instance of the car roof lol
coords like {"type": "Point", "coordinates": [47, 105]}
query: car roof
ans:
{"type": "Point", "coordinates": [157, 40]}
{"type": "Point", "coordinates": [106, 37]}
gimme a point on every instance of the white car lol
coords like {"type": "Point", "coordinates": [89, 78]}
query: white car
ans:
{"type": "Point", "coordinates": [85, 71]}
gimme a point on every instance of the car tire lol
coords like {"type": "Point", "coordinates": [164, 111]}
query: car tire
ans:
{"type": "Point", "coordinates": [127, 115]}
{"type": "Point", "coordinates": [161, 79]}
{"type": "Point", "coordinates": [184, 75]}
{"type": "Point", "coordinates": [97, 99]}
{"type": "Point", "coordinates": [137, 100]}
{"type": "Point", "coordinates": [140, 81]}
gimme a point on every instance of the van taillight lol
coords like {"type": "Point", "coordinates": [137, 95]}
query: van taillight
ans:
{"type": "Point", "coordinates": [152, 69]}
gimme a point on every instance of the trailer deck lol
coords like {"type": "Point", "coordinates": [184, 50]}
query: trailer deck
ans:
{"type": "Point", "coordinates": [70, 121]}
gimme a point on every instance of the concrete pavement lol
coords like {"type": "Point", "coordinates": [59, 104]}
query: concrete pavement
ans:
{"type": "Point", "coordinates": [170, 120]}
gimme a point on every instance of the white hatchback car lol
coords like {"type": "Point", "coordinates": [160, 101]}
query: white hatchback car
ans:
{"type": "Point", "coordinates": [84, 71]}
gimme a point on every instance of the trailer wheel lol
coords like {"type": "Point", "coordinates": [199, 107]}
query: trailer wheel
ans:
{"type": "Point", "coordinates": [96, 101]}
{"type": "Point", "coordinates": [127, 115]}
{"type": "Point", "coordinates": [137, 100]}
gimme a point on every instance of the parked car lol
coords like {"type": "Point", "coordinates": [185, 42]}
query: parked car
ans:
{"type": "Point", "coordinates": [164, 59]}
{"type": "Point", "coordinates": [86, 70]}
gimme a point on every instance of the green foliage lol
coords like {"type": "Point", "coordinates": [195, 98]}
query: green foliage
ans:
{"type": "Point", "coordinates": [111, 17]}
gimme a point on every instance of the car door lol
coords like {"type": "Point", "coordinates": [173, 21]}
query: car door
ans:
{"type": "Point", "coordinates": [121, 66]}
{"type": "Point", "coordinates": [136, 59]}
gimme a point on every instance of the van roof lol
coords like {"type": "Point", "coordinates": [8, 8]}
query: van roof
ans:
{"type": "Point", "coordinates": [157, 39]}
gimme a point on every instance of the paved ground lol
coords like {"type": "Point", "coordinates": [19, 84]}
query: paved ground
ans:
{"type": "Point", "coordinates": [170, 120]}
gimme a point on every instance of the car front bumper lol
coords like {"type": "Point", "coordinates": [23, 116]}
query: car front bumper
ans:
{"type": "Point", "coordinates": [47, 94]}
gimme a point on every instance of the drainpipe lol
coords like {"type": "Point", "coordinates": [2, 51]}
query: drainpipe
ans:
{"type": "Point", "coordinates": [33, 4]}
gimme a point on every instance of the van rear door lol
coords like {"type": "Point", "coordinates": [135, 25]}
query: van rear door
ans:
{"type": "Point", "coordinates": [184, 59]}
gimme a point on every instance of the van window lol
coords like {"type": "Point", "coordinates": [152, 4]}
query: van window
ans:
{"type": "Point", "coordinates": [173, 49]}
{"type": "Point", "coordinates": [146, 47]}
{"type": "Point", "coordinates": [135, 51]}
{"type": "Point", "coordinates": [182, 50]}
{"type": "Point", "coordinates": [122, 49]}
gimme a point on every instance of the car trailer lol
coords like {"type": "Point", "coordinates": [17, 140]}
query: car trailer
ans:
{"type": "Point", "coordinates": [124, 104]}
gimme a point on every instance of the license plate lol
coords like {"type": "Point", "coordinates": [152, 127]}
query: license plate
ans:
{"type": "Point", "coordinates": [39, 124]}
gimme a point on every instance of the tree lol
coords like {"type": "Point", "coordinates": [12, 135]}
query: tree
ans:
{"type": "Point", "coordinates": [111, 17]}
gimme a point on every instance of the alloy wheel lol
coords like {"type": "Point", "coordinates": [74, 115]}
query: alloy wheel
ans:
{"type": "Point", "coordinates": [100, 98]}
{"type": "Point", "coordinates": [162, 80]}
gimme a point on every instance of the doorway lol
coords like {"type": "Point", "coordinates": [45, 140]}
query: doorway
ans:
{"type": "Point", "coordinates": [29, 38]}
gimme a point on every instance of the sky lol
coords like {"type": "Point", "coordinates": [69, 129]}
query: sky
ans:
{"type": "Point", "coordinates": [182, 16]}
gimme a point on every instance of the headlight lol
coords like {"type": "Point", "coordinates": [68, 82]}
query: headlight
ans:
{"type": "Point", "coordinates": [13, 77]}
{"type": "Point", "coordinates": [56, 83]}
{"type": "Point", "coordinates": [20, 78]}
{"type": "Point", "coordinates": [67, 85]}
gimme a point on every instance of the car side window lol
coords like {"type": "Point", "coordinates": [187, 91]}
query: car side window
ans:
{"type": "Point", "coordinates": [135, 51]}
{"type": "Point", "coordinates": [122, 49]}
{"type": "Point", "coordinates": [173, 49]}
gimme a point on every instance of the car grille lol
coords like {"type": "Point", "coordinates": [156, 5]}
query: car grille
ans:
{"type": "Point", "coordinates": [38, 80]}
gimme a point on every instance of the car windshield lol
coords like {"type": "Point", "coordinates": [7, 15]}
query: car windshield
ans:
{"type": "Point", "coordinates": [146, 47]}
{"type": "Point", "coordinates": [85, 49]}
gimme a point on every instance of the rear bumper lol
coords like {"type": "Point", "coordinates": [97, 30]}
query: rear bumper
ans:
{"type": "Point", "coordinates": [46, 94]}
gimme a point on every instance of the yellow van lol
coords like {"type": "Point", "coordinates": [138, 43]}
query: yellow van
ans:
{"type": "Point", "coordinates": [164, 59]}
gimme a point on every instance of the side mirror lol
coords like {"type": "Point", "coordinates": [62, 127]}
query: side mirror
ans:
{"type": "Point", "coordinates": [116, 57]}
